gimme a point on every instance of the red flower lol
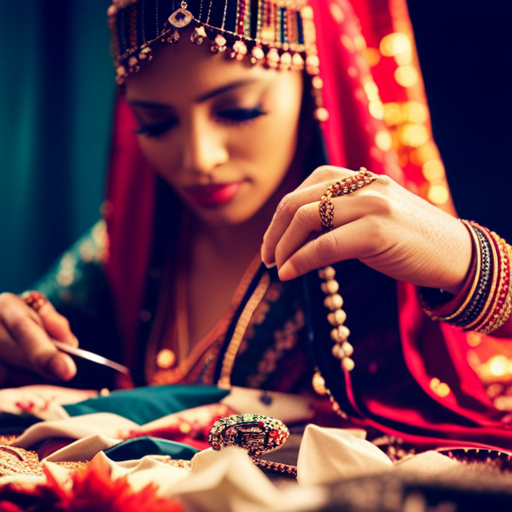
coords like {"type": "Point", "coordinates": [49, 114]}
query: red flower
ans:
{"type": "Point", "coordinates": [91, 490]}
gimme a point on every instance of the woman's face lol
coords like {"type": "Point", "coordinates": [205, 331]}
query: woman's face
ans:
{"type": "Point", "coordinates": [222, 134]}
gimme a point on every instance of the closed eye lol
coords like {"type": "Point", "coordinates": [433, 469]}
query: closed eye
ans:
{"type": "Point", "coordinates": [240, 115]}
{"type": "Point", "coordinates": [156, 130]}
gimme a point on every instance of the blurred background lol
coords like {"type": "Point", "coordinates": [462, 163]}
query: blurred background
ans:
{"type": "Point", "coordinates": [57, 90]}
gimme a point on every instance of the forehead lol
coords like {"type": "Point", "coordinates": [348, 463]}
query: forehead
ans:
{"type": "Point", "coordinates": [189, 70]}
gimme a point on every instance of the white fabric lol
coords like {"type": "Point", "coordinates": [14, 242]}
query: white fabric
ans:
{"type": "Point", "coordinates": [78, 427]}
{"type": "Point", "coordinates": [286, 407]}
{"type": "Point", "coordinates": [331, 454]}
{"type": "Point", "coordinates": [83, 449]}
{"type": "Point", "coordinates": [227, 480]}
{"type": "Point", "coordinates": [41, 400]}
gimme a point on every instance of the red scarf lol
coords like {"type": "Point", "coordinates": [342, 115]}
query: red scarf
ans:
{"type": "Point", "coordinates": [379, 119]}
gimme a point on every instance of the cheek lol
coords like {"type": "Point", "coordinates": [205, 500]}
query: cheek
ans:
{"type": "Point", "coordinates": [160, 155]}
{"type": "Point", "coordinates": [274, 145]}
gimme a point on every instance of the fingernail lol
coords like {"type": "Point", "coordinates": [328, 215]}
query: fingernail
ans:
{"type": "Point", "coordinates": [269, 265]}
{"type": "Point", "coordinates": [61, 367]}
{"type": "Point", "coordinates": [286, 272]}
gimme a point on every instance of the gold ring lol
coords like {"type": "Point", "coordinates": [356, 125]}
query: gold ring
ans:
{"type": "Point", "coordinates": [34, 300]}
{"type": "Point", "coordinates": [342, 187]}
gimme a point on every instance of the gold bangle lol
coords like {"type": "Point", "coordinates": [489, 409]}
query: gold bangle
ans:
{"type": "Point", "coordinates": [488, 308]}
{"type": "Point", "coordinates": [478, 254]}
{"type": "Point", "coordinates": [497, 319]}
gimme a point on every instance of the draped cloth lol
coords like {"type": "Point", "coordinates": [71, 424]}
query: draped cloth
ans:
{"type": "Point", "coordinates": [378, 118]}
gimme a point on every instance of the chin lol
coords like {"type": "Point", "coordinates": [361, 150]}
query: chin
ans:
{"type": "Point", "coordinates": [222, 216]}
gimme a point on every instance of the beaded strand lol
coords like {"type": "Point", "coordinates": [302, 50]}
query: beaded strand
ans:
{"type": "Point", "coordinates": [341, 349]}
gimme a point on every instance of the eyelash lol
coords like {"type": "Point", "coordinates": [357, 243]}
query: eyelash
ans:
{"type": "Point", "coordinates": [156, 130]}
{"type": "Point", "coordinates": [237, 117]}
{"type": "Point", "coordinates": [240, 116]}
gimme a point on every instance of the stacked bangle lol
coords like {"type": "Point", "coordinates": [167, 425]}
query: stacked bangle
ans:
{"type": "Point", "coordinates": [486, 301]}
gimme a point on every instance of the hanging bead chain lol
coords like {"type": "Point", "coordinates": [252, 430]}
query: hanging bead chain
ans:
{"type": "Point", "coordinates": [257, 53]}
{"type": "Point", "coordinates": [266, 14]}
{"type": "Point", "coordinates": [277, 24]}
{"type": "Point", "coordinates": [259, 21]}
{"type": "Point", "coordinates": [291, 27]}
{"type": "Point", "coordinates": [240, 18]}
{"type": "Point", "coordinates": [247, 21]}
{"type": "Point", "coordinates": [341, 349]}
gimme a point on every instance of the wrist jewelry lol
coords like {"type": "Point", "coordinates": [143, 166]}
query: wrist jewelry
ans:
{"type": "Point", "coordinates": [487, 304]}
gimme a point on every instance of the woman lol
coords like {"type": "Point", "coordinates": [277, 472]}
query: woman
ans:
{"type": "Point", "coordinates": [231, 153]}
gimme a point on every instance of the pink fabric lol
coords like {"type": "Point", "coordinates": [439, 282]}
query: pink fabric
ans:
{"type": "Point", "coordinates": [129, 214]}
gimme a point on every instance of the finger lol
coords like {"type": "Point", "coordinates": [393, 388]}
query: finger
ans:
{"type": "Point", "coordinates": [56, 325]}
{"type": "Point", "coordinates": [343, 243]}
{"type": "Point", "coordinates": [306, 224]}
{"type": "Point", "coordinates": [30, 345]}
{"type": "Point", "coordinates": [310, 191]}
{"type": "Point", "coordinates": [304, 227]}
{"type": "Point", "coordinates": [284, 215]}
{"type": "Point", "coordinates": [323, 174]}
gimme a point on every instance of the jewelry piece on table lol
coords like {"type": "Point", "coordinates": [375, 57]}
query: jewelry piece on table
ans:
{"type": "Point", "coordinates": [35, 300]}
{"type": "Point", "coordinates": [345, 186]}
{"type": "Point", "coordinates": [255, 433]}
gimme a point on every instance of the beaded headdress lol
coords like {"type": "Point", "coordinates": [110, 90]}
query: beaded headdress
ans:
{"type": "Point", "coordinates": [279, 34]}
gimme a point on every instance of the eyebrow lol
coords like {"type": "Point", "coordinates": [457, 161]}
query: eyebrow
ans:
{"type": "Point", "coordinates": [201, 99]}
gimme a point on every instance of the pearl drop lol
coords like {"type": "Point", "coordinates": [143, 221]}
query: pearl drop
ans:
{"type": "Point", "coordinates": [347, 364]}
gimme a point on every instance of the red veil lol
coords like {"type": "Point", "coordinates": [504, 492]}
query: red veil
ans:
{"type": "Point", "coordinates": [379, 119]}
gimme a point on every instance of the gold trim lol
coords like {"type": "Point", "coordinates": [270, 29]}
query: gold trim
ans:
{"type": "Point", "coordinates": [240, 329]}
{"type": "Point", "coordinates": [160, 330]}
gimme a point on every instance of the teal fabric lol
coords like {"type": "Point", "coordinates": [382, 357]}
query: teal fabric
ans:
{"type": "Point", "coordinates": [137, 448]}
{"type": "Point", "coordinates": [146, 404]}
{"type": "Point", "coordinates": [56, 100]}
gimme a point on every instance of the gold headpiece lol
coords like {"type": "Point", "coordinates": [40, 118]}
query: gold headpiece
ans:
{"type": "Point", "coordinates": [277, 33]}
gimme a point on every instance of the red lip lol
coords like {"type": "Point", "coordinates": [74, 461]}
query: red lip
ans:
{"type": "Point", "coordinates": [210, 196]}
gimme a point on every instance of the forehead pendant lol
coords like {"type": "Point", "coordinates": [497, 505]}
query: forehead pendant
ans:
{"type": "Point", "coordinates": [179, 19]}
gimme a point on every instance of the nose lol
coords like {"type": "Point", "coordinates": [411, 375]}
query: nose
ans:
{"type": "Point", "coordinates": [204, 147]}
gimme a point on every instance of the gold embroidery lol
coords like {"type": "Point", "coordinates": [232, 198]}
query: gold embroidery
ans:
{"type": "Point", "coordinates": [240, 329]}
{"type": "Point", "coordinates": [205, 352]}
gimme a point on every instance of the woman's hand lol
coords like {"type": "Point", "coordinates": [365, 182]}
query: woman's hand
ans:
{"type": "Point", "coordinates": [25, 339]}
{"type": "Point", "coordinates": [382, 224]}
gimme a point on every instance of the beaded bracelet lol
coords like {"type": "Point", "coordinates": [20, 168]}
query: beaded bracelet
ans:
{"type": "Point", "coordinates": [486, 301]}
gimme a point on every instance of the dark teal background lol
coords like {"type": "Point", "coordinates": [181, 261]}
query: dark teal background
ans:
{"type": "Point", "coordinates": [56, 95]}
